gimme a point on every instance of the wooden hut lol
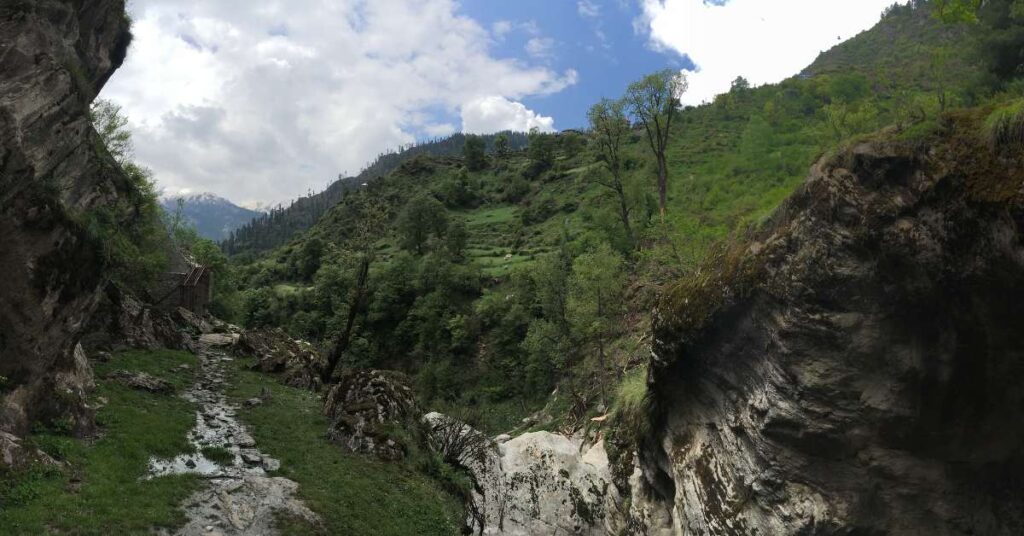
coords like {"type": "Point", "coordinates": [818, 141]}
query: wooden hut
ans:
{"type": "Point", "coordinates": [187, 284]}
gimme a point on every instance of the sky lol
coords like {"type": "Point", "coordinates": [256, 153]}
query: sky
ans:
{"type": "Point", "coordinates": [261, 101]}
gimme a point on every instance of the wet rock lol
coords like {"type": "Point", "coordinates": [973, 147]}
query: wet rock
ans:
{"type": "Point", "coordinates": [244, 440]}
{"type": "Point", "coordinates": [239, 500]}
{"type": "Point", "coordinates": [253, 402]}
{"type": "Point", "coordinates": [141, 381]}
{"type": "Point", "coordinates": [276, 353]}
{"type": "Point", "coordinates": [252, 457]}
{"type": "Point", "coordinates": [363, 405]}
{"type": "Point", "coordinates": [248, 506]}
{"type": "Point", "coordinates": [857, 367]}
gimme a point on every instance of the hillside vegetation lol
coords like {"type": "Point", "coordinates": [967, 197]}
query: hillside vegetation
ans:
{"type": "Point", "coordinates": [497, 279]}
{"type": "Point", "coordinates": [281, 224]}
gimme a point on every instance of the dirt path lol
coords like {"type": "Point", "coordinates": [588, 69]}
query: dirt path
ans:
{"type": "Point", "coordinates": [240, 499]}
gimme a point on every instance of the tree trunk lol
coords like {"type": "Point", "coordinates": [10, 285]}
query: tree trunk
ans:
{"type": "Point", "coordinates": [624, 213]}
{"type": "Point", "coordinates": [662, 184]}
{"type": "Point", "coordinates": [600, 346]}
{"type": "Point", "coordinates": [341, 345]}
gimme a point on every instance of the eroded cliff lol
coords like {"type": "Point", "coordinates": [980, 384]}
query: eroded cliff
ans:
{"type": "Point", "coordinates": [857, 367]}
{"type": "Point", "coordinates": [55, 56]}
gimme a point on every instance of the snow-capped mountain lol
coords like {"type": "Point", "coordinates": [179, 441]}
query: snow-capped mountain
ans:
{"type": "Point", "coordinates": [213, 216]}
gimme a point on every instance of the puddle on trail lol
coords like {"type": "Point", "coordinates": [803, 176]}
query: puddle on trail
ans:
{"type": "Point", "coordinates": [217, 428]}
{"type": "Point", "coordinates": [240, 499]}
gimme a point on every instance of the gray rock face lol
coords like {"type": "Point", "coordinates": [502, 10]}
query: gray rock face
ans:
{"type": "Point", "coordinates": [858, 368]}
{"type": "Point", "coordinates": [536, 483]}
{"type": "Point", "coordinates": [54, 58]}
{"type": "Point", "coordinates": [122, 321]}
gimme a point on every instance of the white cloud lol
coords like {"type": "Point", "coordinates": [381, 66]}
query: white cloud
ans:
{"type": "Point", "coordinates": [501, 28]}
{"type": "Point", "coordinates": [440, 130]}
{"type": "Point", "coordinates": [496, 113]}
{"type": "Point", "coordinates": [261, 100]}
{"type": "Point", "coordinates": [587, 8]}
{"type": "Point", "coordinates": [540, 47]}
{"type": "Point", "coordinates": [761, 40]}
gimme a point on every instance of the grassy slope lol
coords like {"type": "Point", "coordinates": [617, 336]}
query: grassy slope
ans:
{"type": "Point", "coordinates": [352, 494]}
{"type": "Point", "coordinates": [101, 491]}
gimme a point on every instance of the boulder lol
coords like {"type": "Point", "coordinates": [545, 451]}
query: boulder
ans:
{"type": "Point", "coordinates": [536, 483]}
{"type": "Point", "coordinates": [191, 322]}
{"type": "Point", "coordinates": [55, 56]}
{"type": "Point", "coordinates": [298, 362]}
{"type": "Point", "coordinates": [221, 340]}
{"type": "Point", "coordinates": [366, 407]}
{"type": "Point", "coordinates": [857, 367]}
{"type": "Point", "coordinates": [15, 455]}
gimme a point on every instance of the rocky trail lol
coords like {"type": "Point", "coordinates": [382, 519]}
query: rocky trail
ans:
{"type": "Point", "coordinates": [240, 499]}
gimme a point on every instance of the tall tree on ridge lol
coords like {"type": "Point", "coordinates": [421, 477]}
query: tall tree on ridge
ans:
{"type": "Point", "coordinates": [474, 152]}
{"type": "Point", "coordinates": [654, 103]}
{"type": "Point", "coordinates": [610, 127]}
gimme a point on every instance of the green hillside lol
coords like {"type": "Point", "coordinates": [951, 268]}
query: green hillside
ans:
{"type": "Point", "coordinates": [522, 278]}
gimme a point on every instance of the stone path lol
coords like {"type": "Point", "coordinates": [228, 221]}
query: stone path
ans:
{"type": "Point", "coordinates": [240, 499]}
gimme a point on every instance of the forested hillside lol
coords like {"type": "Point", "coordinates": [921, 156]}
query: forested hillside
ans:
{"type": "Point", "coordinates": [281, 224]}
{"type": "Point", "coordinates": [495, 280]}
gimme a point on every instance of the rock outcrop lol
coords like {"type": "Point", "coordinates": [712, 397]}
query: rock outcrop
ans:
{"type": "Point", "coordinates": [55, 55]}
{"type": "Point", "coordinates": [858, 367]}
{"type": "Point", "coordinates": [298, 362]}
{"type": "Point", "coordinates": [367, 407]}
{"type": "Point", "coordinates": [122, 321]}
{"type": "Point", "coordinates": [141, 381]}
{"type": "Point", "coordinates": [536, 483]}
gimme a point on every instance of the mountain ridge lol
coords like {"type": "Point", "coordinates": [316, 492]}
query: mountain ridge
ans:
{"type": "Point", "coordinates": [214, 217]}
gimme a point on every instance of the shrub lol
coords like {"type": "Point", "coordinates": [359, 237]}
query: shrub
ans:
{"type": "Point", "coordinates": [1005, 126]}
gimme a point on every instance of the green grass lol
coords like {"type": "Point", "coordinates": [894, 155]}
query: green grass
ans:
{"type": "Point", "coordinates": [1005, 126]}
{"type": "Point", "coordinates": [101, 491]}
{"type": "Point", "coordinates": [492, 216]}
{"type": "Point", "coordinates": [632, 393]}
{"type": "Point", "coordinates": [630, 408]}
{"type": "Point", "coordinates": [352, 494]}
{"type": "Point", "coordinates": [218, 455]}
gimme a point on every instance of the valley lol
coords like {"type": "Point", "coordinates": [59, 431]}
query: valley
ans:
{"type": "Point", "coordinates": [789, 310]}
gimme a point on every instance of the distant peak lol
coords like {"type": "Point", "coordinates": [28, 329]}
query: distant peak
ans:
{"type": "Point", "coordinates": [200, 196]}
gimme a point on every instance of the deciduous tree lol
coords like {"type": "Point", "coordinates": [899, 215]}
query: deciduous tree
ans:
{"type": "Point", "coordinates": [595, 298]}
{"type": "Point", "coordinates": [654, 103]}
{"type": "Point", "coordinates": [609, 129]}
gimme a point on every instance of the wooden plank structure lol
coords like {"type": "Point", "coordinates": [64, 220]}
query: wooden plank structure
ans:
{"type": "Point", "coordinates": [188, 284]}
{"type": "Point", "coordinates": [196, 290]}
